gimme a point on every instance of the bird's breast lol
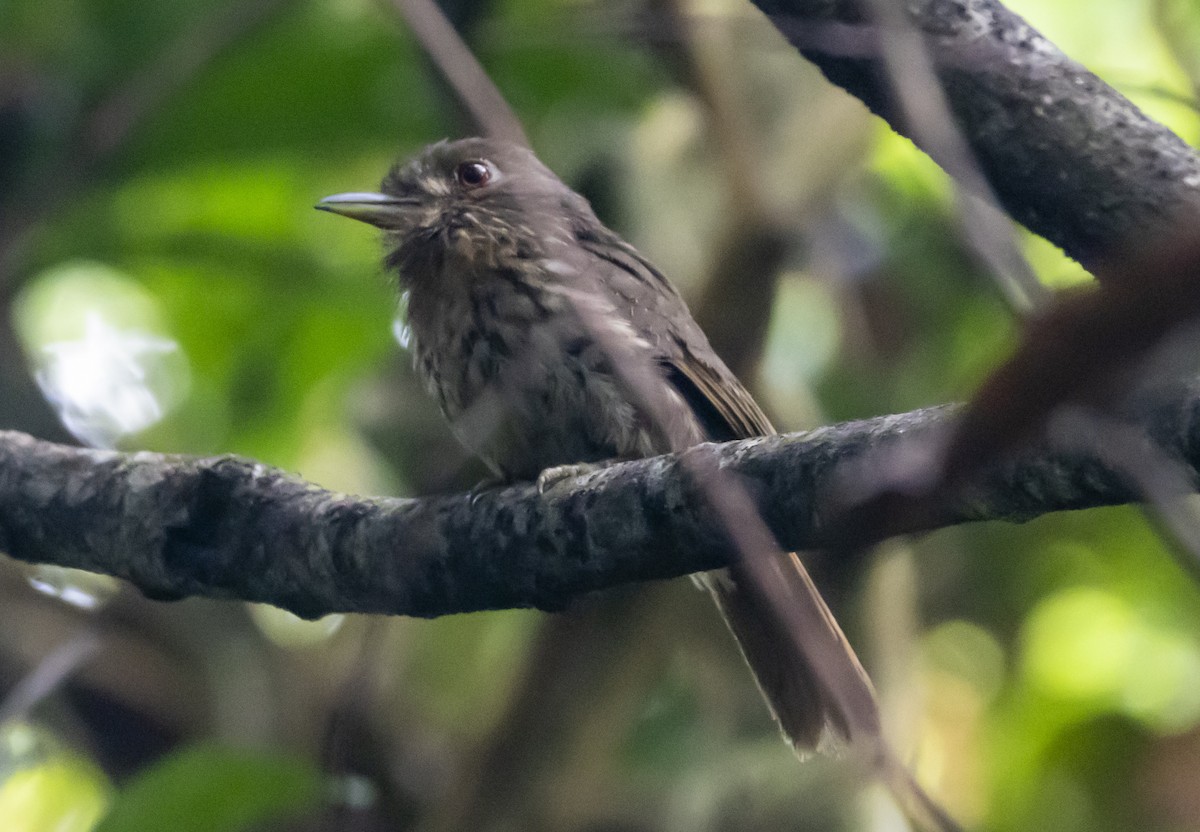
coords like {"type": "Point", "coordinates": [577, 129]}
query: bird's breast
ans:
{"type": "Point", "coordinates": [518, 375]}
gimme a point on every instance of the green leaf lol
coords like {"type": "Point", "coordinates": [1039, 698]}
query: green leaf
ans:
{"type": "Point", "coordinates": [46, 787]}
{"type": "Point", "coordinates": [209, 788]}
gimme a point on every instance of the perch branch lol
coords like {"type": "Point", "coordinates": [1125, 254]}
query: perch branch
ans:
{"type": "Point", "coordinates": [227, 527]}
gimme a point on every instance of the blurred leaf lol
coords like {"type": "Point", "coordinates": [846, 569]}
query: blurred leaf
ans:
{"type": "Point", "coordinates": [209, 788]}
{"type": "Point", "coordinates": [46, 788]}
{"type": "Point", "coordinates": [464, 666]}
{"type": "Point", "coordinates": [666, 737]}
{"type": "Point", "coordinates": [61, 796]}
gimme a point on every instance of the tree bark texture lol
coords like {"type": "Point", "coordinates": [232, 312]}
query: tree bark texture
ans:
{"type": "Point", "coordinates": [226, 527]}
{"type": "Point", "coordinates": [1067, 155]}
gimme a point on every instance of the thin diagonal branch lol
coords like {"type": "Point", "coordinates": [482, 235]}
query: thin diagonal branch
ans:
{"type": "Point", "coordinates": [923, 106]}
{"type": "Point", "coordinates": [462, 71]}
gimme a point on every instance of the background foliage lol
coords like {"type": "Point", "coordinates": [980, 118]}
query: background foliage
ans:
{"type": "Point", "coordinates": [162, 272]}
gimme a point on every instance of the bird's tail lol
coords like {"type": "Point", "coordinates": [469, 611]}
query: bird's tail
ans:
{"type": "Point", "coordinates": [811, 677]}
{"type": "Point", "coordinates": [810, 715]}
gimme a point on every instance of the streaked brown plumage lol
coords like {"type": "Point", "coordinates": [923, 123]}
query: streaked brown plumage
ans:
{"type": "Point", "coordinates": [498, 257]}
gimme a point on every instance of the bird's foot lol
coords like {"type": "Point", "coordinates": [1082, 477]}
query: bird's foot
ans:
{"type": "Point", "coordinates": [553, 476]}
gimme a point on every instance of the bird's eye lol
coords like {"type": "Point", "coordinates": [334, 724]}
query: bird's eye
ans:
{"type": "Point", "coordinates": [474, 174]}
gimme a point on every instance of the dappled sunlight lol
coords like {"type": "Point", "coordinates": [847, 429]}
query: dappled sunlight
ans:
{"type": "Point", "coordinates": [962, 673]}
{"type": "Point", "coordinates": [46, 788]}
{"type": "Point", "coordinates": [90, 332]}
{"type": "Point", "coordinates": [87, 591]}
{"type": "Point", "coordinates": [1093, 648]}
{"type": "Point", "coordinates": [100, 383]}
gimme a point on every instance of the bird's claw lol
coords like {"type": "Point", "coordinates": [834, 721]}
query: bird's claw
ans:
{"type": "Point", "coordinates": [483, 486]}
{"type": "Point", "coordinates": [553, 476]}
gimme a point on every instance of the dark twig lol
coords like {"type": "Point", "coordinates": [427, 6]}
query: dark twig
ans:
{"type": "Point", "coordinates": [1163, 482]}
{"type": "Point", "coordinates": [1084, 349]}
{"type": "Point", "coordinates": [922, 103]}
{"type": "Point", "coordinates": [738, 293]}
{"type": "Point", "coordinates": [763, 568]}
{"type": "Point", "coordinates": [1089, 349]}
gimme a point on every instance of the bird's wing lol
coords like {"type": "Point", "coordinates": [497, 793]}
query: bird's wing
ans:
{"type": "Point", "coordinates": [724, 408]}
{"type": "Point", "coordinates": [719, 401]}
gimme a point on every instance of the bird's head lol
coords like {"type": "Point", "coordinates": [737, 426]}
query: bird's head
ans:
{"type": "Point", "coordinates": [477, 199]}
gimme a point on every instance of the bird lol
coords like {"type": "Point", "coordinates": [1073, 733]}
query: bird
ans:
{"type": "Point", "coordinates": [516, 293]}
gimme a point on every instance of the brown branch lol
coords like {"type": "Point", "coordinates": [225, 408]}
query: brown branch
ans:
{"type": "Point", "coordinates": [1071, 158]}
{"type": "Point", "coordinates": [1083, 350]}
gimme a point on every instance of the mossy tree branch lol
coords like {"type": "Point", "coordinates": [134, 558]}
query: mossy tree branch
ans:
{"type": "Point", "coordinates": [227, 527]}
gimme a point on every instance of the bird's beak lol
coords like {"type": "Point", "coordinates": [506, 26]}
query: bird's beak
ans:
{"type": "Point", "coordinates": [380, 210]}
